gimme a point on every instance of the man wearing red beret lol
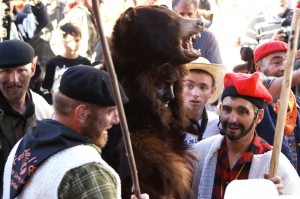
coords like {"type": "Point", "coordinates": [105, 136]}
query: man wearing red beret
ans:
{"type": "Point", "coordinates": [239, 153]}
{"type": "Point", "coordinates": [269, 59]}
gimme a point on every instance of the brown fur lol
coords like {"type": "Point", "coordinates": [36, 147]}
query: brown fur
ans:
{"type": "Point", "coordinates": [147, 52]}
{"type": "Point", "coordinates": [156, 136]}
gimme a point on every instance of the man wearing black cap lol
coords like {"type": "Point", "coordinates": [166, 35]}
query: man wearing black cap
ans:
{"type": "Point", "coordinates": [60, 158]}
{"type": "Point", "coordinates": [239, 153]}
{"type": "Point", "coordinates": [19, 107]}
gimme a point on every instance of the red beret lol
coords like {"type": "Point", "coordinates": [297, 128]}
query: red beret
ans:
{"type": "Point", "coordinates": [268, 48]}
{"type": "Point", "coordinates": [247, 86]}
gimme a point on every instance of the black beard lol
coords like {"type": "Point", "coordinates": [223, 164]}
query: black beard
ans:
{"type": "Point", "coordinates": [235, 137]}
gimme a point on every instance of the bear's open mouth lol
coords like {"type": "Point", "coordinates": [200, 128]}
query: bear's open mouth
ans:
{"type": "Point", "coordinates": [187, 45]}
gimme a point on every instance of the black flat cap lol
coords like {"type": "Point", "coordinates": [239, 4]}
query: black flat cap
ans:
{"type": "Point", "coordinates": [89, 84]}
{"type": "Point", "coordinates": [14, 53]}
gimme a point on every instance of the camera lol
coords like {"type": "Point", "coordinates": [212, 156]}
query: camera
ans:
{"type": "Point", "coordinates": [286, 25]}
{"type": "Point", "coordinates": [287, 31]}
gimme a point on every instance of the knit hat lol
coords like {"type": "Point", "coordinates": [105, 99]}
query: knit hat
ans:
{"type": "Point", "coordinates": [269, 48]}
{"type": "Point", "coordinates": [217, 71]}
{"type": "Point", "coordinates": [246, 86]}
{"type": "Point", "coordinates": [14, 53]}
{"type": "Point", "coordinates": [89, 84]}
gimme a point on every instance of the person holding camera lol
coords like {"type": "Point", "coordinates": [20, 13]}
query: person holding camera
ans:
{"type": "Point", "coordinates": [264, 27]}
{"type": "Point", "coordinates": [269, 60]}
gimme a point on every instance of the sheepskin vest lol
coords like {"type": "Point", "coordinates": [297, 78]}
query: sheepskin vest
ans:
{"type": "Point", "coordinates": [46, 179]}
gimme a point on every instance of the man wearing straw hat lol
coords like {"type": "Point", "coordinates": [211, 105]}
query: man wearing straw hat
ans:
{"type": "Point", "coordinates": [269, 60]}
{"type": "Point", "coordinates": [202, 86]}
{"type": "Point", "coordinates": [239, 153]}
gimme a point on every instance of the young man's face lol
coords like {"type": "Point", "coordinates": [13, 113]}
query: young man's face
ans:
{"type": "Point", "coordinates": [14, 82]}
{"type": "Point", "coordinates": [71, 44]}
{"type": "Point", "coordinates": [98, 122]}
{"type": "Point", "coordinates": [186, 11]}
{"type": "Point", "coordinates": [198, 88]}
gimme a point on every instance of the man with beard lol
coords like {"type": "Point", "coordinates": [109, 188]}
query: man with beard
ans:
{"type": "Point", "coordinates": [239, 153]}
{"type": "Point", "coordinates": [60, 158]}
{"type": "Point", "coordinates": [269, 60]}
{"type": "Point", "coordinates": [19, 107]}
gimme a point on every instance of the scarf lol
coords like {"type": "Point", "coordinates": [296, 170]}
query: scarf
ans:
{"type": "Point", "coordinates": [197, 129]}
{"type": "Point", "coordinates": [30, 109]}
{"type": "Point", "coordinates": [38, 144]}
{"type": "Point", "coordinates": [291, 115]}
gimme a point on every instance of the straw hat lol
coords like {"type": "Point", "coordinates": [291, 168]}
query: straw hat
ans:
{"type": "Point", "coordinates": [216, 70]}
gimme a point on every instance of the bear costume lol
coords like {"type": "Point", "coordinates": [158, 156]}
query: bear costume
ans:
{"type": "Point", "coordinates": [149, 47]}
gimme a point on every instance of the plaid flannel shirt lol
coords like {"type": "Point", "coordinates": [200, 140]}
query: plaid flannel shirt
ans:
{"type": "Point", "coordinates": [224, 175]}
{"type": "Point", "coordinates": [92, 180]}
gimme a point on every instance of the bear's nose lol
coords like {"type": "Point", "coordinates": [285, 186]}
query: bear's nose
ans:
{"type": "Point", "coordinates": [200, 23]}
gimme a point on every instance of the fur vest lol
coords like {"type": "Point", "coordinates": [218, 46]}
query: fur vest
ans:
{"type": "Point", "coordinates": [46, 179]}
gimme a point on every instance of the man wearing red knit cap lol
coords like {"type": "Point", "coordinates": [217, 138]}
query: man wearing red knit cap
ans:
{"type": "Point", "coordinates": [269, 59]}
{"type": "Point", "coordinates": [239, 153]}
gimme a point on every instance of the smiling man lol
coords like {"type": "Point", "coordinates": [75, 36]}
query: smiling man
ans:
{"type": "Point", "coordinates": [60, 158]}
{"type": "Point", "coordinates": [269, 60]}
{"type": "Point", "coordinates": [239, 153]}
{"type": "Point", "coordinates": [19, 107]}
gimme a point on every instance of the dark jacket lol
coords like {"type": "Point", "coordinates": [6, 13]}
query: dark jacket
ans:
{"type": "Point", "coordinates": [266, 130]}
{"type": "Point", "coordinates": [31, 14]}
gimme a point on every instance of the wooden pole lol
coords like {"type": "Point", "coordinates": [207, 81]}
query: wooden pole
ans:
{"type": "Point", "coordinates": [285, 90]}
{"type": "Point", "coordinates": [115, 86]}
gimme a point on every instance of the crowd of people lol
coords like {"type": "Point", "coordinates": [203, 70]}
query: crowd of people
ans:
{"type": "Point", "coordinates": [57, 104]}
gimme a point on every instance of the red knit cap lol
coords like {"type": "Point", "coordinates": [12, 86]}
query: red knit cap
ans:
{"type": "Point", "coordinates": [268, 48]}
{"type": "Point", "coordinates": [247, 86]}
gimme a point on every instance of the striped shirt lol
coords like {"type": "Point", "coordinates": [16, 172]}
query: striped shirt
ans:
{"type": "Point", "coordinates": [262, 28]}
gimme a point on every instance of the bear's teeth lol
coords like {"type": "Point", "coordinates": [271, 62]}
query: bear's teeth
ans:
{"type": "Point", "coordinates": [199, 34]}
{"type": "Point", "coordinates": [190, 46]}
{"type": "Point", "coordinates": [197, 51]}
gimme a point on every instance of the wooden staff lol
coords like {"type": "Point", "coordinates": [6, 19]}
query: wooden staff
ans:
{"type": "Point", "coordinates": [115, 86]}
{"type": "Point", "coordinates": [285, 91]}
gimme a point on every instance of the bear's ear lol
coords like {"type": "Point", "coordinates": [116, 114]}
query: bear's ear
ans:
{"type": "Point", "coordinates": [129, 16]}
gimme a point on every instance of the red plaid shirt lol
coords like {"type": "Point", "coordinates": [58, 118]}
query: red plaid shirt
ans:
{"type": "Point", "coordinates": [223, 174]}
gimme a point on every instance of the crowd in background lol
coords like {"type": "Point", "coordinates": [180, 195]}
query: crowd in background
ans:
{"type": "Point", "coordinates": [63, 34]}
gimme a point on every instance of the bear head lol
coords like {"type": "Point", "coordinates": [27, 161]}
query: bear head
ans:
{"type": "Point", "coordinates": [153, 35]}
